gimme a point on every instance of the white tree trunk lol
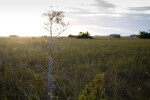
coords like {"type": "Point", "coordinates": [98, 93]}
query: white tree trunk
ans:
{"type": "Point", "coordinates": [50, 82]}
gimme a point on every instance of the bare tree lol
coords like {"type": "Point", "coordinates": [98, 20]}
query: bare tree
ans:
{"type": "Point", "coordinates": [55, 26]}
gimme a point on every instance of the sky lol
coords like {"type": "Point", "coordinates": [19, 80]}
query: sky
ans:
{"type": "Point", "coordinates": [98, 17]}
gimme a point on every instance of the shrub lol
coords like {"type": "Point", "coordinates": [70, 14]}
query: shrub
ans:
{"type": "Point", "coordinates": [83, 35]}
{"type": "Point", "coordinates": [144, 34]}
{"type": "Point", "coordinates": [71, 36]}
{"type": "Point", "coordinates": [94, 90]}
{"type": "Point", "coordinates": [13, 36]}
{"type": "Point", "coordinates": [117, 36]}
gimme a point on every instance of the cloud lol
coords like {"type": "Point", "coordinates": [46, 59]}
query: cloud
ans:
{"type": "Point", "coordinates": [105, 17]}
{"type": "Point", "coordinates": [128, 23]}
{"type": "Point", "coordinates": [96, 8]}
{"type": "Point", "coordinates": [103, 4]}
{"type": "Point", "coordinates": [137, 16]}
{"type": "Point", "coordinates": [79, 10]}
{"type": "Point", "coordinates": [87, 11]}
{"type": "Point", "coordinates": [146, 8]}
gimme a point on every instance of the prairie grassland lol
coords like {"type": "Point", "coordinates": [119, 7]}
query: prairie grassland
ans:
{"type": "Point", "coordinates": [125, 63]}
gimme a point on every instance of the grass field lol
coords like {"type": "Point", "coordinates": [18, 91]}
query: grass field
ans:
{"type": "Point", "coordinates": [124, 62]}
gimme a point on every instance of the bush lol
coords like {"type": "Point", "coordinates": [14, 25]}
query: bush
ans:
{"type": "Point", "coordinates": [94, 90]}
{"type": "Point", "coordinates": [117, 36]}
{"type": "Point", "coordinates": [71, 36]}
{"type": "Point", "coordinates": [83, 35]}
{"type": "Point", "coordinates": [13, 36]}
{"type": "Point", "coordinates": [144, 35]}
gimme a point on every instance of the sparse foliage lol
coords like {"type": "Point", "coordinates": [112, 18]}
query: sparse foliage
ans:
{"type": "Point", "coordinates": [55, 26]}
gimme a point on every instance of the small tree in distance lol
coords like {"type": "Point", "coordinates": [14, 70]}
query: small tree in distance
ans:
{"type": "Point", "coordinates": [55, 26]}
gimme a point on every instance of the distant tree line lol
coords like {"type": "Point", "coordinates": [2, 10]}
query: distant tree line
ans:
{"type": "Point", "coordinates": [115, 35]}
{"type": "Point", "coordinates": [13, 36]}
{"type": "Point", "coordinates": [72, 36]}
{"type": "Point", "coordinates": [144, 35]}
{"type": "Point", "coordinates": [82, 35]}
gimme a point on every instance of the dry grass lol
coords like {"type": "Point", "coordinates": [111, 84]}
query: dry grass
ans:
{"type": "Point", "coordinates": [125, 63]}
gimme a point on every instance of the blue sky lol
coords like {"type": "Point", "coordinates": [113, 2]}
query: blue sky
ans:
{"type": "Point", "coordinates": [99, 17]}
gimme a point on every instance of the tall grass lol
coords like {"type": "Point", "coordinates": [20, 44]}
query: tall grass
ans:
{"type": "Point", "coordinates": [125, 63]}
